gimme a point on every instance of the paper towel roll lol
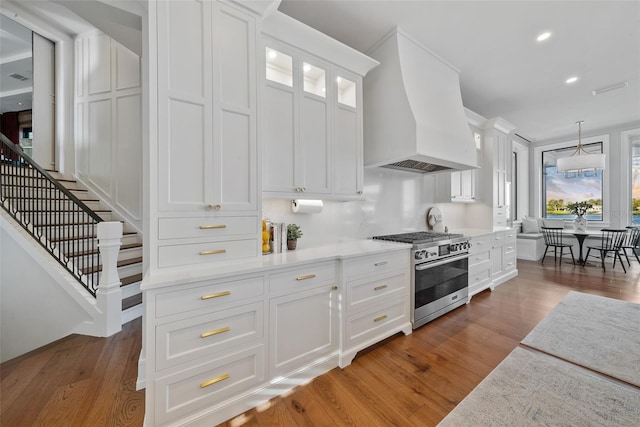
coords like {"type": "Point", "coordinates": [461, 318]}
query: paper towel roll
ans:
{"type": "Point", "coordinates": [306, 206]}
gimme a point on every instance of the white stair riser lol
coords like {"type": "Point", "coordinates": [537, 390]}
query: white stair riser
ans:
{"type": "Point", "coordinates": [132, 313]}
{"type": "Point", "coordinates": [71, 246]}
{"type": "Point", "coordinates": [30, 181]}
{"type": "Point", "coordinates": [44, 193]}
{"type": "Point", "coordinates": [65, 231]}
{"type": "Point", "coordinates": [122, 255]}
{"type": "Point", "coordinates": [130, 290]}
{"type": "Point", "coordinates": [124, 271]}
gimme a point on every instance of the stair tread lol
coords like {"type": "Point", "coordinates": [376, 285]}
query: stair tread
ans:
{"type": "Point", "coordinates": [129, 280]}
{"type": "Point", "coordinates": [65, 239]}
{"type": "Point", "coordinates": [132, 301]}
{"type": "Point", "coordinates": [47, 198]}
{"type": "Point", "coordinates": [66, 210]}
{"type": "Point", "coordinates": [121, 263]}
{"type": "Point", "coordinates": [91, 252]}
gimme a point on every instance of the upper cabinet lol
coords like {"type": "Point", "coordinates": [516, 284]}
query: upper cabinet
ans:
{"type": "Point", "coordinates": [204, 166]}
{"type": "Point", "coordinates": [311, 112]}
{"type": "Point", "coordinates": [497, 158]}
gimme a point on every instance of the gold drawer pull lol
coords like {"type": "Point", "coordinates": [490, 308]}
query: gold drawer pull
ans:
{"type": "Point", "coordinates": [306, 276]}
{"type": "Point", "coordinates": [209, 227]}
{"type": "Point", "coordinates": [215, 380]}
{"type": "Point", "coordinates": [379, 264]}
{"type": "Point", "coordinates": [216, 295]}
{"type": "Point", "coordinates": [377, 288]}
{"type": "Point", "coordinates": [213, 252]}
{"type": "Point", "coordinates": [215, 332]}
{"type": "Point", "coordinates": [377, 319]}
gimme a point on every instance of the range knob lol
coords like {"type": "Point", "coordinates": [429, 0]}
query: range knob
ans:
{"type": "Point", "coordinates": [419, 255]}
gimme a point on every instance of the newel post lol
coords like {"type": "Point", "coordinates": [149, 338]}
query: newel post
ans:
{"type": "Point", "coordinates": [109, 294]}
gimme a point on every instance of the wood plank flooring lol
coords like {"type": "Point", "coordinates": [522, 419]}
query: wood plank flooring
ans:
{"type": "Point", "coordinates": [403, 381]}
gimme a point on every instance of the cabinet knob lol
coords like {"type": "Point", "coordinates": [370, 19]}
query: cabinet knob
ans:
{"type": "Point", "coordinates": [298, 189]}
{"type": "Point", "coordinates": [217, 207]}
{"type": "Point", "coordinates": [304, 189]}
{"type": "Point", "coordinates": [359, 191]}
{"type": "Point", "coordinates": [208, 207]}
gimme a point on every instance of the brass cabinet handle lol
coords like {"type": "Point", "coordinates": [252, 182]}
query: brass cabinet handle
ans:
{"type": "Point", "coordinates": [377, 319]}
{"type": "Point", "coordinates": [215, 380]}
{"type": "Point", "coordinates": [209, 227]}
{"type": "Point", "coordinates": [377, 288]}
{"type": "Point", "coordinates": [306, 276]}
{"type": "Point", "coordinates": [216, 295]}
{"type": "Point", "coordinates": [217, 207]}
{"type": "Point", "coordinates": [213, 252]}
{"type": "Point", "coordinates": [215, 332]}
{"type": "Point", "coordinates": [379, 264]}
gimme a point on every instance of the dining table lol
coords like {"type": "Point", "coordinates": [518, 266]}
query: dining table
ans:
{"type": "Point", "coordinates": [581, 237]}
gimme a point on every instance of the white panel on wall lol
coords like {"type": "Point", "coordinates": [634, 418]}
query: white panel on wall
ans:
{"type": "Point", "coordinates": [82, 149]}
{"type": "Point", "coordinates": [186, 153]}
{"type": "Point", "coordinates": [236, 158]}
{"type": "Point", "coordinates": [234, 60]}
{"type": "Point", "coordinates": [127, 68]}
{"type": "Point", "coordinates": [80, 63]}
{"type": "Point", "coordinates": [99, 59]}
{"type": "Point", "coordinates": [129, 154]}
{"type": "Point", "coordinates": [100, 140]}
{"type": "Point", "coordinates": [186, 51]}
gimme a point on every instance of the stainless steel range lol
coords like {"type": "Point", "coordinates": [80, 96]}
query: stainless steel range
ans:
{"type": "Point", "coordinates": [439, 274]}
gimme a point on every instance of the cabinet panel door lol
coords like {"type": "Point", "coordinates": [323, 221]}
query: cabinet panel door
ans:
{"type": "Point", "coordinates": [278, 144]}
{"type": "Point", "coordinates": [314, 141]}
{"type": "Point", "coordinates": [347, 157]}
{"type": "Point", "coordinates": [237, 169]}
{"type": "Point", "coordinates": [185, 106]}
{"type": "Point", "coordinates": [303, 327]}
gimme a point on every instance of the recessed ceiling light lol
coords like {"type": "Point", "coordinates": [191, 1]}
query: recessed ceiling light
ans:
{"type": "Point", "coordinates": [571, 80]}
{"type": "Point", "coordinates": [543, 36]}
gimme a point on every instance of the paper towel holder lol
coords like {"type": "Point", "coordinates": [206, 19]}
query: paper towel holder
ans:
{"type": "Point", "coordinates": [306, 206]}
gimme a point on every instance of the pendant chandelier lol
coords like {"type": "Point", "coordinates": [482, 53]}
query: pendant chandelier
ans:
{"type": "Point", "coordinates": [581, 162]}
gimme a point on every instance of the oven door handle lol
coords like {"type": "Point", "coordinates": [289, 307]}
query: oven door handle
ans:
{"type": "Point", "coordinates": [428, 265]}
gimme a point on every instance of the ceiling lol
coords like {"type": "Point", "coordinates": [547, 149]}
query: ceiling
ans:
{"type": "Point", "coordinates": [15, 58]}
{"type": "Point", "coordinates": [504, 70]}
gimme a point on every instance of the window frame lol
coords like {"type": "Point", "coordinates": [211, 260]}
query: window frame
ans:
{"type": "Point", "coordinates": [628, 139]}
{"type": "Point", "coordinates": [538, 207]}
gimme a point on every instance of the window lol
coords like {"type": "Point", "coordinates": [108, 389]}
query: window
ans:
{"type": "Point", "coordinates": [635, 184]}
{"type": "Point", "coordinates": [558, 190]}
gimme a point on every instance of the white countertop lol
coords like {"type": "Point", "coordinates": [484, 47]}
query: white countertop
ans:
{"type": "Point", "coordinates": [263, 263]}
{"type": "Point", "coordinates": [475, 232]}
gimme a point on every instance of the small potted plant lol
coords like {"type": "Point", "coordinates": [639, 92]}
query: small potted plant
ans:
{"type": "Point", "coordinates": [579, 209]}
{"type": "Point", "coordinates": [293, 234]}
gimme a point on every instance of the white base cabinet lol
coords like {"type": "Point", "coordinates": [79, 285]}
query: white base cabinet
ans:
{"type": "Point", "coordinates": [376, 301]}
{"type": "Point", "coordinates": [219, 346]}
{"type": "Point", "coordinates": [492, 260]}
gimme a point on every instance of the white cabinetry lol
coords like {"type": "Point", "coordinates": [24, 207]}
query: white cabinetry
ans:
{"type": "Point", "coordinates": [376, 301]}
{"type": "Point", "coordinates": [496, 167]}
{"type": "Point", "coordinates": [205, 166]}
{"type": "Point", "coordinates": [461, 186]}
{"type": "Point", "coordinates": [492, 260]}
{"type": "Point", "coordinates": [312, 112]}
{"type": "Point", "coordinates": [303, 316]}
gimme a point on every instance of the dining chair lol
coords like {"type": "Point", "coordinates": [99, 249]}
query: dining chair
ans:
{"type": "Point", "coordinates": [610, 242]}
{"type": "Point", "coordinates": [631, 241]}
{"type": "Point", "coordinates": [553, 237]}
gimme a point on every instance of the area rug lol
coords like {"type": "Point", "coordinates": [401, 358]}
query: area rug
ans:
{"type": "Point", "coordinates": [533, 389]}
{"type": "Point", "coordinates": [595, 332]}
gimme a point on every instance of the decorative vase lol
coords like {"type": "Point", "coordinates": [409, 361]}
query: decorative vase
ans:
{"type": "Point", "coordinates": [580, 224]}
{"type": "Point", "coordinates": [291, 244]}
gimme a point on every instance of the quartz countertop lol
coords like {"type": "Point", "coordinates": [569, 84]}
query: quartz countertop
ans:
{"type": "Point", "coordinates": [475, 232]}
{"type": "Point", "coordinates": [263, 263]}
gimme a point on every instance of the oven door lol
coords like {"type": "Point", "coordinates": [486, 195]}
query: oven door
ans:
{"type": "Point", "coordinates": [435, 281]}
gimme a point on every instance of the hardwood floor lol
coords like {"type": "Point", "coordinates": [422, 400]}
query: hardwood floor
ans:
{"type": "Point", "coordinates": [404, 381]}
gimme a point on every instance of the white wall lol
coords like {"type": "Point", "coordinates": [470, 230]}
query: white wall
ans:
{"type": "Point", "coordinates": [108, 131]}
{"type": "Point", "coordinates": [395, 202]}
{"type": "Point", "coordinates": [38, 302]}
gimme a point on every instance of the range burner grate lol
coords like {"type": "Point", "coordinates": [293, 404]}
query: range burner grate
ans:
{"type": "Point", "coordinates": [418, 237]}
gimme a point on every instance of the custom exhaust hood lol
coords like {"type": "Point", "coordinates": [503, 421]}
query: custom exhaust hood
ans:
{"type": "Point", "coordinates": [414, 119]}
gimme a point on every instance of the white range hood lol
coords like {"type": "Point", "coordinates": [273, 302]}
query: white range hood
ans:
{"type": "Point", "coordinates": [413, 114]}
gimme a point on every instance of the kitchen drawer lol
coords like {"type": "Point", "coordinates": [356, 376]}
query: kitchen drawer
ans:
{"type": "Point", "coordinates": [376, 264]}
{"type": "Point", "coordinates": [479, 273]}
{"type": "Point", "coordinates": [497, 238]}
{"type": "Point", "coordinates": [208, 252]}
{"type": "Point", "coordinates": [300, 279]}
{"type": "Point", "coordinates": [480, 244]}
{"type": "Point", "coordinates": [179, 228]}
{"type": "Point", "coordinates": [186, 392]}
{"type": "Point", "coordinates": [209, 297]}
{"type": "Point", "coordinates": [509, 262]}
{"type": "Point", "coordinates": [510, 236]}
{"type": "Point", "coordinates": [375, 321]}
{"type": "Point", "coordinates": [510, 247]}
{"type": "Point", "coordinates": [364, 292]}
{"type": "Point", "coordinates": [188, 339]}
{"type": "Point", "coordinates": [478, 258]}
